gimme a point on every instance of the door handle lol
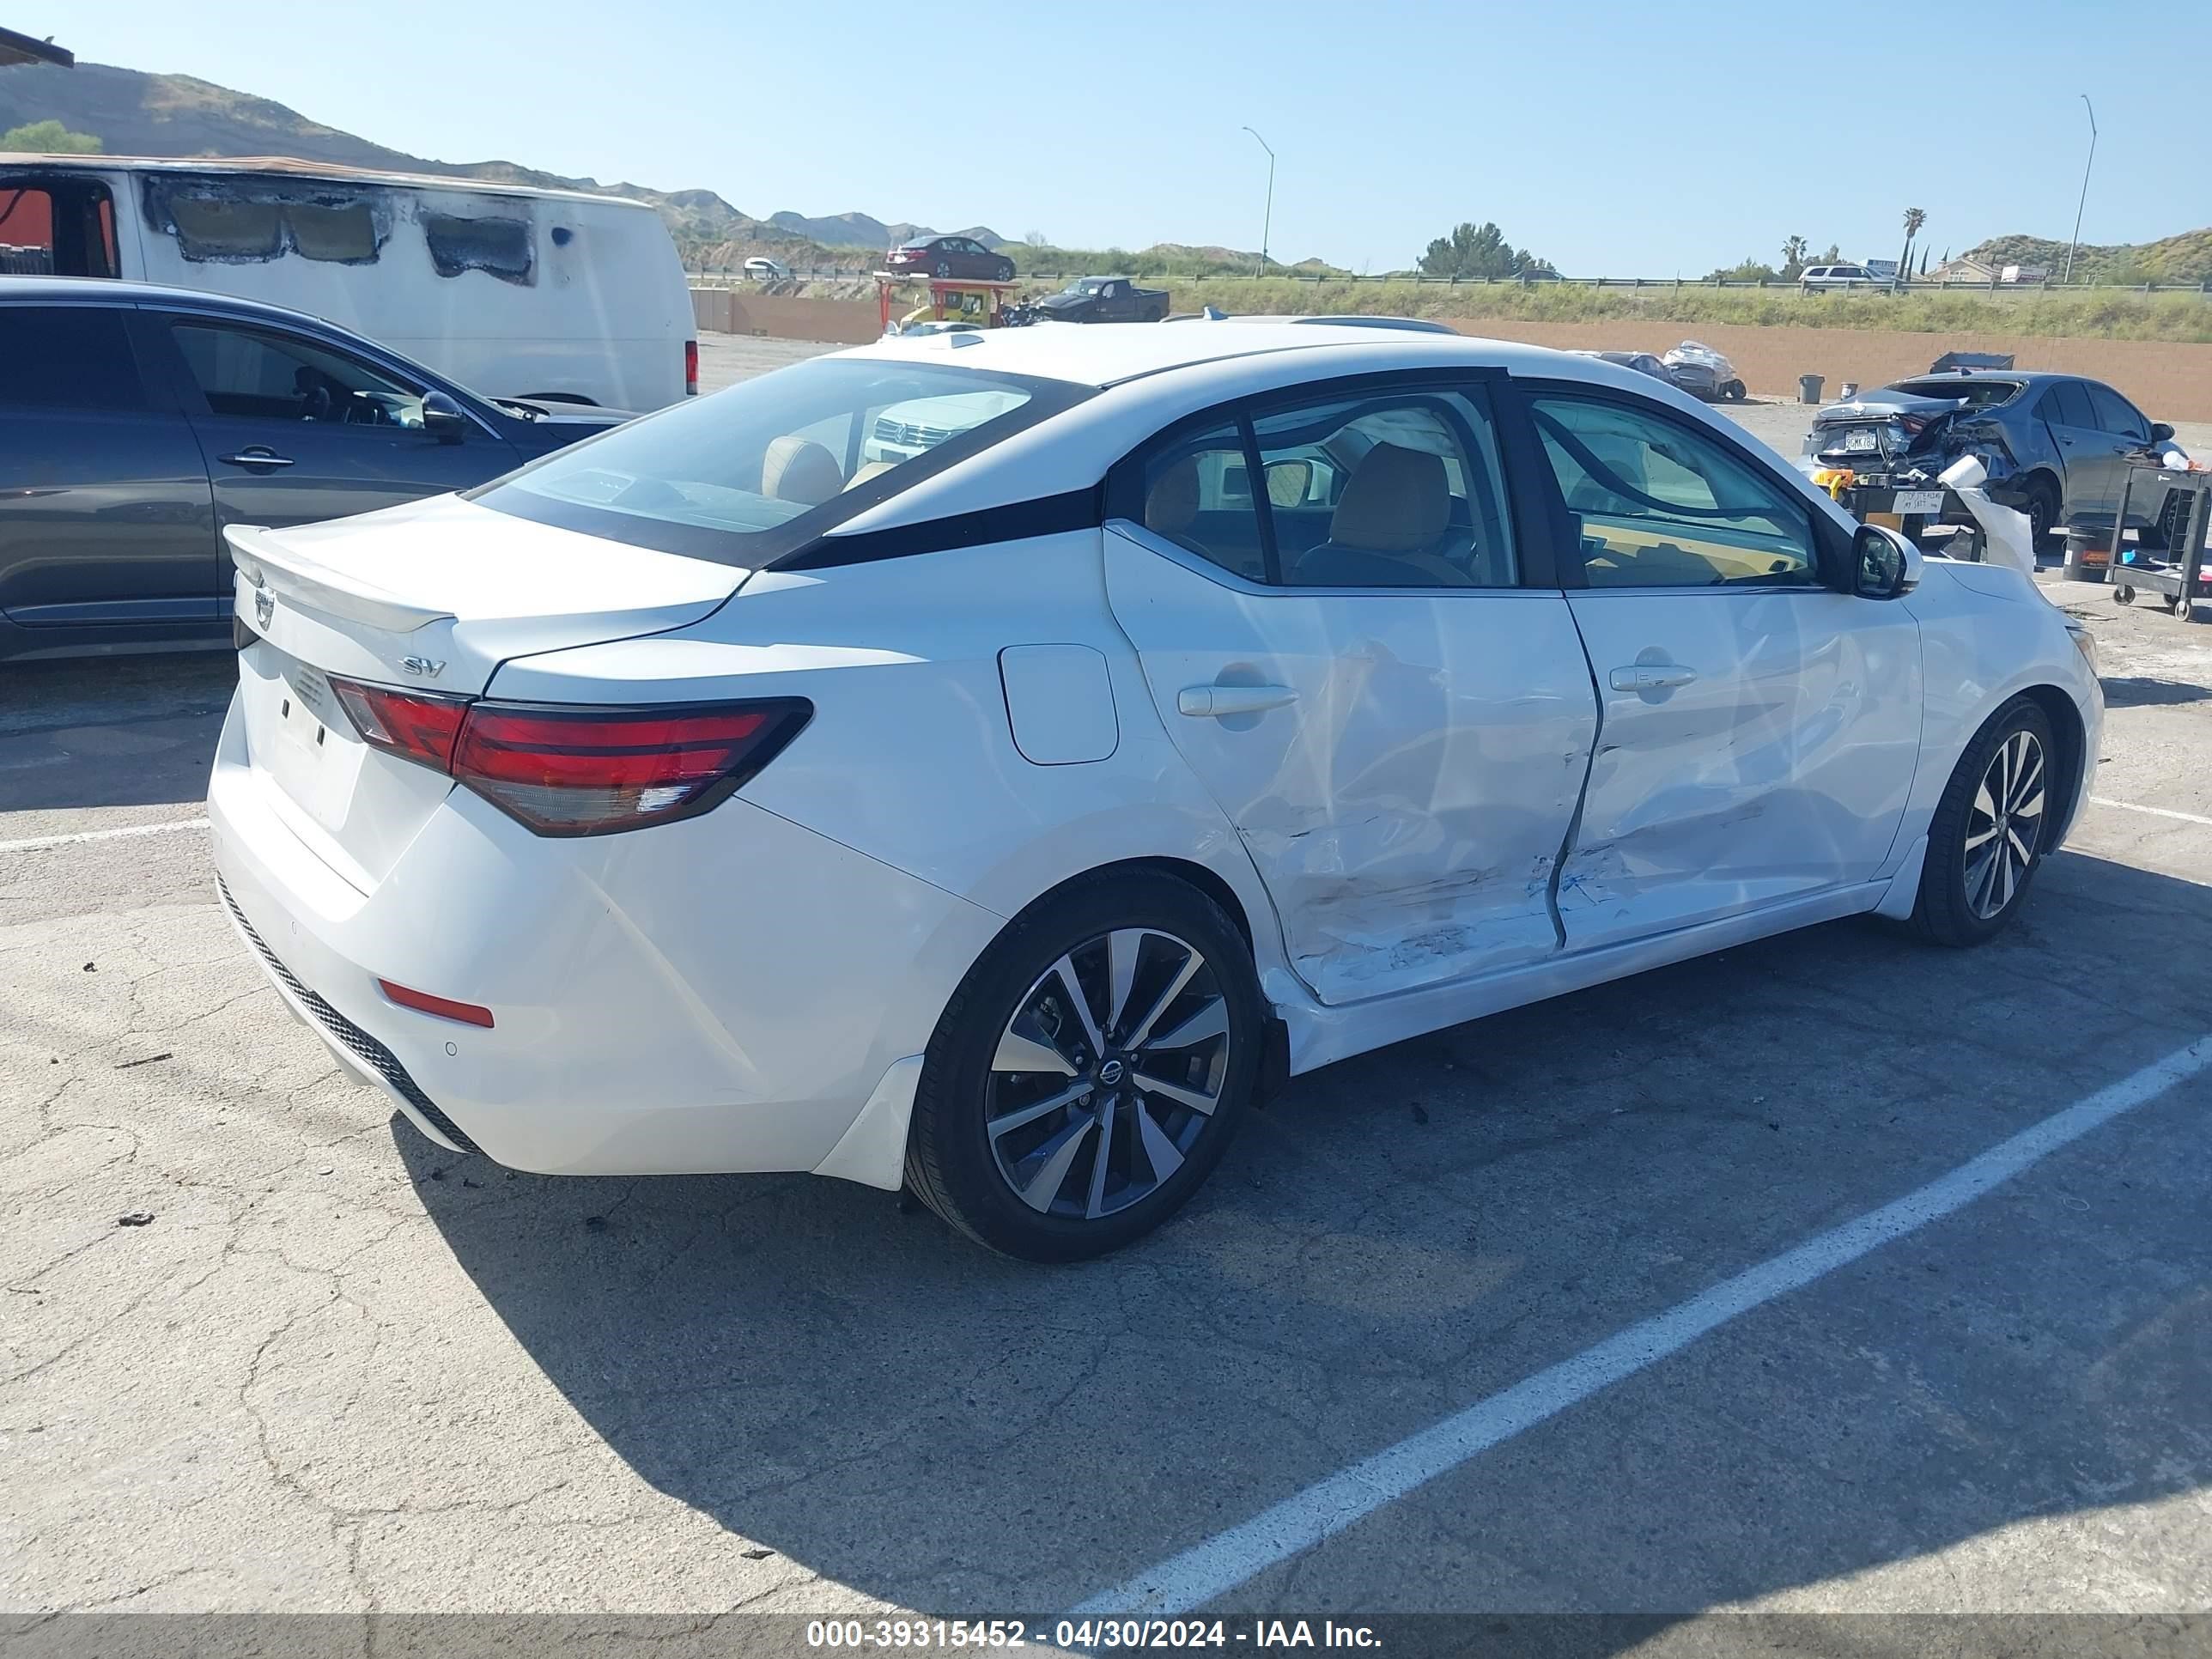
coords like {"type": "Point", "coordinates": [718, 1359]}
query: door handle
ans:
{"type": "Point", "coordinates": [259, 455]}
{"type": "Point", "coordinates": [1651, 677]}
{"type": "Point", "coordinates": [1213, 701]}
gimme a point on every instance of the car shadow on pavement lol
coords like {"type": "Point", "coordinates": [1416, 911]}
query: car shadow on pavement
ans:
{"type": "Point", "coordinates": [110, 731]}
{"type": "Point", "coordinates": [1406, 1233]}
{"type": "Point", "coordinates": [2124, 692]}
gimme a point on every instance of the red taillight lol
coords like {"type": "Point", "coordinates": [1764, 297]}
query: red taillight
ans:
{"type": "Point", "coordinates": [407, 724]}
{"type": "Point", "coordinates": [691, 369]}
{"type": "Point", "coordinates": [444, 1007]}
{"type": "Point", "coordinates": [562, 770]}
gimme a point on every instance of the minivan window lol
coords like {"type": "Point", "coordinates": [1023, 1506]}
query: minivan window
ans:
{"type": "Point", "coordinates": [257, 375]}
{"type": "Point", "coordinates": [66, 357]}
{"type": "Point", "coordinates": [764, 467]}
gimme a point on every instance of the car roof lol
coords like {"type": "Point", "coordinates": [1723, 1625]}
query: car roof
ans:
{"type": "Point", "coordinates": [292, 166]}
{"type": "Point", "coordinates": [94, 290]}
{"type": "Point", "coordinates": [1145, 377]}
{"type": "Point", "coordinates": [1109, 356]}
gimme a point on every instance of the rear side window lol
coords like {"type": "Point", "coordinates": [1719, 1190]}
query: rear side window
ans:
{"type": "Point", "coordinates": [1198, 495]}
{"type": "Point", "coordinates": [2068, 405]}
{"type": "Point", "coordinates": [2115, 414]}
{"type": "Point", "coordinates": [760, 470]}
{"type": "Point", "coordinates": [1397, 488]}
{"type": "Point", "coordinates": [1658, 505]}
{"type": "Point", "coordinates": [66, 357]}
{"type": "Point", "coordinates": [1393, 490]}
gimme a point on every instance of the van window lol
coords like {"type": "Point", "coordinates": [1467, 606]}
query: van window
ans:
{"type": "Point", "coordinates": [56, 227]}
{"type": "Point", "coordinates": [498, 246]}
{"type": "Point", "coordinates": [344, 234]}
{"type": "Point", "coordinates": [756, 471]}
{"type": "Point", "coordinates": [235, 220]}
{"type": "Point", "coordinates": [218, 228]}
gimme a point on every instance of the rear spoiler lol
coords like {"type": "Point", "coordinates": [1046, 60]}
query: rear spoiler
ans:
{"type": "Point", "coordinates": [266, 562]}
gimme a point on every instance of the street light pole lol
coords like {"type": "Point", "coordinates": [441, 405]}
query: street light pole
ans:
{"type": "Point", "coordinates": [1268, 219]}
{"type": "Point", "coordinates": [2084, 201]}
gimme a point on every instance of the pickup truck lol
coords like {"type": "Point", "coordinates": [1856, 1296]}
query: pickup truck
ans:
{"type": "Point", "coordinates": [1102, 299]}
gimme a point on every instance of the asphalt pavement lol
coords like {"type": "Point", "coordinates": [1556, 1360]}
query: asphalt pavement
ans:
{"type": "Point", "coordinates": [1640, 1250]}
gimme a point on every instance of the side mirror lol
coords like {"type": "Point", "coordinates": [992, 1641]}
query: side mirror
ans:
{"type": "Point", "coordinates": [1288, 482]}
{"type": "Point", "coordinates": [2160, 433]}
{"type": "Point", "coordinates": [442, 418]}
{"type": "Point", "coordinates": [1888, 565]}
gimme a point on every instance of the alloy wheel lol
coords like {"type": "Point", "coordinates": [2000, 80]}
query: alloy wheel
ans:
{"type": "Point", "coordinates": [1106, 1074]}
{"type": "Point", "coordinates": [2004, 824]}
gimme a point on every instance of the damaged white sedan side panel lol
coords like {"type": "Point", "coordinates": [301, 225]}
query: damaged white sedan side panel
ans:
{"type": "Point", "coordinates": [1402, 767]}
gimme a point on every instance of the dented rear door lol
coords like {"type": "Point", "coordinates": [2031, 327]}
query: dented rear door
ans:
{"type": "Point", "coordinates": [1402, 767]}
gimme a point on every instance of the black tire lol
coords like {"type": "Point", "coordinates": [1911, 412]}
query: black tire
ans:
{"type": "Point", "coordinates": [1004, 270]}
{"type": "Point", "coordinates": [1952, 908]}
{"type": "Point", "coordinates": [952, 1163]}
{"type": "Point", "coordinates": [2042, 513]}
{"type": "Point", "coordinates": [1733, 392]}
{"type": "Point", "coordinates": [2124, 596]}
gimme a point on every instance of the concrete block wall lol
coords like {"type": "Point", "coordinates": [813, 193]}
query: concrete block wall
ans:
{"type": "Point", "coordinates": [2170, 382]}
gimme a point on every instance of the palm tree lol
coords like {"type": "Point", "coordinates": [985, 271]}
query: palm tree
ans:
{"type": "Point", "coordinates": [1793, 258]}
{"type": "Point", "coordinates": [1914, 218]}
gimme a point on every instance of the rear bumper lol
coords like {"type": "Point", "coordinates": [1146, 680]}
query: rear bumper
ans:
{"type": "Point", "coordinates": [723, 994]}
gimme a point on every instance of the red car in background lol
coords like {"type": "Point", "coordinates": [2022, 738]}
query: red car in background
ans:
{"type": "Point", "coordinates": [950, 256]}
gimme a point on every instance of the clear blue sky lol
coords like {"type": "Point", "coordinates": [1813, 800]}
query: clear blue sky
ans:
{"type": "Point", "coordinates": [1637, 139]}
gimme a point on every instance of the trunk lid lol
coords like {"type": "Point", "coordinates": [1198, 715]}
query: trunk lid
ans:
{"type": "Point", "coordinates": [1879, 427]}
{"type": "Point", "coordinates": [431, 597]}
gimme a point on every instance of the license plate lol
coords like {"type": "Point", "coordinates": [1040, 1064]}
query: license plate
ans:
{"type": "Point", "coordinates": [1918, 502]}
{"type": "Point", "coordinates": [1857, 443]}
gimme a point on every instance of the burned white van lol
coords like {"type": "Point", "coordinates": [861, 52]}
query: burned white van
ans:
{"type": "Point", "coordinates": [516, 292]}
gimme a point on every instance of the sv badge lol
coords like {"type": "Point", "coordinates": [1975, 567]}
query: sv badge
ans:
{"type": "Point", "coordinates": [423, 666]}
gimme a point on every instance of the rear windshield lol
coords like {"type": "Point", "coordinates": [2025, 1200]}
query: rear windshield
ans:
{"type": "Point", "coordinates": [1978, 393]}
{"type": "Point", "coordinates": [757, 471]}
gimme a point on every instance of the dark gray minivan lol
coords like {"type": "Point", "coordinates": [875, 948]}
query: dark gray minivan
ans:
{"type": "Point", "coordinates": [135, 422]}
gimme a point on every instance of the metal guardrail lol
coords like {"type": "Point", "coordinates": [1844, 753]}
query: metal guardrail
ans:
{"type": "Point", "coordinates": [1915, 285]}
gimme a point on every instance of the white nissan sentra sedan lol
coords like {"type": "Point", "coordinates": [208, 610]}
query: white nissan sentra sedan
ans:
{"type": "Point", "coordinates": [1194, 705]}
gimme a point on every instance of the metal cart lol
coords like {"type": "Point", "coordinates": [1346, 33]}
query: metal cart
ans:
{"type": "Point", "coordinates": [2184, 573]}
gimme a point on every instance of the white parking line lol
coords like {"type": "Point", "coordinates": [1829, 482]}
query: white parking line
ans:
{"type": "Point", "coordinates": [2154, 812]}
{"type": "Point", "coordinates": [37, 842]}
{"type": "Point", "coordinates": [1227, 1558]}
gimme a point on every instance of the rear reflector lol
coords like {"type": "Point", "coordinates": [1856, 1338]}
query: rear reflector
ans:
{"type": "Point", "coordinates": [691, 369]}
{"type": "Point", "coordinates": [564, 770]}
{"type": "Point", "coordinates": [423, 1003]}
